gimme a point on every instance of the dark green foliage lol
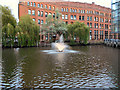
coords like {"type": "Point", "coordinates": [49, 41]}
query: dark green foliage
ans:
{"type": "Point", "coordinates": [80, 30]}
{"type": "Point", "coordinates": [7, 17]}
{"type": "Point", "coordinates": [26, 33]}
{"type": "Point", "coordinates": [29, 32]}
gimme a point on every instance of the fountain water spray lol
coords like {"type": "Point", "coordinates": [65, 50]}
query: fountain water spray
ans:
{"type": "Point", "coordinates": [59, 45]}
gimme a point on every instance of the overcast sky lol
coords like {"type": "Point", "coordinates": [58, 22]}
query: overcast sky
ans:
{"type": "Point", "coordinates": [13, 4]}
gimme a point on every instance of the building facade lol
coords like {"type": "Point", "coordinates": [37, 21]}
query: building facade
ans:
{"type": "Point", "coordinates": [116, 18]}
{"type": "Point", "coordinates": [97, 17]}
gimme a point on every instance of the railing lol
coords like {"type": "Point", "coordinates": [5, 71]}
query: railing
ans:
{"type": "Point", "coordinates": [112, 42]}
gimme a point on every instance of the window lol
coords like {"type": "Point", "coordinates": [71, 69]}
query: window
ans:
{"type": "Point", "coordinates": [88, 24]}
{"type": "Point", "coordinates": [41, 5]}
{"type": "Point", "coordinates": [109, 26]}
{"type": "Point", "coordinates": [100, 26]}
{"type": "Point", "coordinates": [28, 3]}
{"type": "Point", "coordinates": [33, 12]}
{"type": "Point", "coordinates": [49, 7]}
{"type": "Point", "coordinates": [91, 18]}
{"type": "Point", "coordinates": [102, 14]}
{"type": "Point", "coordinates": [71, 10]}
{"type": "Point", "coordinates": [100, 34]}
{"type": "Point", "coordinates": [106, 20]}
{"type": "Point", "coordinates": [46, 14]}
{"type": "Point", "coordinates": [75, 10]}
{"type": "Point", "coordinates": [41, 13]}
{"type": "Point", "coordinates": [94, 34]}
{"type": "Point", "coordinates": [53, 15]}
{"type": "Point", "coordinates": [79, 11]}
{"type": "Point", "coordinates": [38, 5]}
{"type": "Point", "coordinates": [91, 12]}
{"type": "Point", "coordinates": [97, 13]}
{"type": "Point", "coordinates": [83, 11]}
{"type": "Point", "coordinates": [94, 18]}
{"type": "Point", "coordinates": [50, 13]}
{"type": "Point", "coordinates": [97, 33]}
{"type": "Point", "coordinates": [29, 12]}
{"type": "Point", "coordinates": [41, 21]}
{"type": "Point", "coordinates": [66, 22]}
{"type": "Point", "coordinates": [46, 6]}
{"type": "Point", "coordinates": [87, 11]}
{"type": "Point", "coordinates": [33, 19]}
{"type": "Point", "coordinates": [38, 21]}
{"type": "Point", "coordinates": [87, 18]}
{"type": "Point", "coordinates": [34, 4]}
{"type": "Point", "coordinates": [53, 7]}
{"type": "Point", "coordinates": [62, 9]}
{"type": "Point", "coordinates": [79, 17]}
{"type": "Point", "coordinates": [38, 13]}
{"type": "Point", "coordinates": [106, 26]}
{"type": "Point", "coordinates": [110, 20]}
{"type": "Point", "coordinates": [101, 20]}
{"type": "Point", "coordinates": [71, 16]}
{"type": "Point", "coordinates": [95, 25]}
{"type": "Point", "coordinates": [66, 16]}
{"type": "Point", "coordinates": [62, 16]}
{"type": "Point", "coordinates": [106, 14]}
{"type": "Point", "coordinates": [57, 16]}
{"type": "Point", "coordinates": [46, 36]}
{"type": "Point", "coordinates": [31, 4]}
{"type": "Point", "coordinates": [82, 17]}
{"type": "Point", "coordinates": [74, 17]}
{"type": "Point", "coordinates": [97, 19]}
{"type": "Point", "coordinates": [90, 34]}
{"type": "Point", "coordinates": [67, 9]}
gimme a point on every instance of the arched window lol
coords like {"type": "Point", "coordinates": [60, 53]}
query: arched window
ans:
{"type": "Point", "coordinates": [34, 4]}
{"type": "Point", "coordinates": [28, 3]}
{"type": "Point", "coordinates": [31, 4]}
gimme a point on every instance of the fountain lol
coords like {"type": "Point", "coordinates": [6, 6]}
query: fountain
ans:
{"type": "Point", "coordinates": [59, 45]}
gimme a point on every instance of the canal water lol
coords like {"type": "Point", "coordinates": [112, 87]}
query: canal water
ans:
{"type": "Point", "coordinates": [92, 67]}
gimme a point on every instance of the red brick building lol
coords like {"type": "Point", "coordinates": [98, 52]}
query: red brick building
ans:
{"type": "Point", "coordinates": [97, 17]}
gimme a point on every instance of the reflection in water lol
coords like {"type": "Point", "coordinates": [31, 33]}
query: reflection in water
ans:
{"type": "Point", "coordinates": [37, 68]}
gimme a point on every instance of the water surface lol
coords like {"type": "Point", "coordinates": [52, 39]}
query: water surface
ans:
{"type": "Point", "coordinates": [90, 67]}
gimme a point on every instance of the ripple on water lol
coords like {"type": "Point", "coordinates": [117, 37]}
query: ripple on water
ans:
{"type": "Point", "coordinates": [55, 52]}
{"type": "Point", "coordinates": [77, 71]}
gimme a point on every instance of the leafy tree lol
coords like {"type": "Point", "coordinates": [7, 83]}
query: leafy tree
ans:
{"type": "Point", "coordinates": [7, 17]}
{"type": "Point", "coordinates": [59, 25]}
{"type": "Point", "coordinates": [8, 26]}
{"type": "Point", "coordinates": [8, 35]}
{"type": "Point", "coordinates": [4, 35]}
{"type": "Point", "coordinates": [80, 30]}
{"type": "Point", "coordinates": [30, 31]}
{"type": "Point", "coordinates": [11, 33]}
{"type": "Point", "coordinates": [54, 25]}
